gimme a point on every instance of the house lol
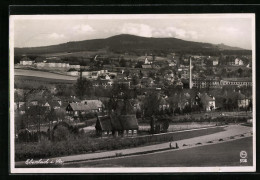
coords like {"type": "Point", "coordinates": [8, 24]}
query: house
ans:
{"type": "Point", "coordinates": [178, 84]}
{"type": "Point", "coordinates": [96, 105]}
{"type": "Point", "coordinates": [75, 66]}
{"type": "Point", "coordinates": [236, 81]}
{"type": "Point", "coordinates": [215, 62]}
{"type": "Point", "coordinates": [239, 62]}
{"type": "Point", "coordinates": [124, 82]}
{"type": "Point", "coordinates": [26, 61]}
{"type": "Point", "coordinates": [105, 76]}
{"type": "Point", "coordinates": [206, 82]}
{"type": "Point", "coordinates": [88, 106]}
{"type": "Point", "coordinates": [123, 125]}
{"type": "Point", "coordinates": [208, 102]}
{"type": "Point", "coordinates": [163, 105]}
{"type": "Point", "coordinates": [171, 64]}
{"type": "Point", "coordinates": [72, 72]}
{"type": "Point", "coordinates": [102, 82]}
{"type": "Point", "coordinates": [241, 99]}
{"type": "Point", "coordinates": [54, 104]}
{"type": "Point", "coordinates": [146, 61]}
{"type": "Point", "coordinates": [147, 66]}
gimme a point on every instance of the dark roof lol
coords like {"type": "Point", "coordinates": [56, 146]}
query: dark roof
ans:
{"type": "Point", "coordinates": [86, 105]}
{"type": "Point", "coordinates": [54, 104]}
{"type": "Point", "coordinates": [105, 123]}
{"type": "Point", "coordinates": [206, 97]}
{"type": "Point", "coordinates": [25, 59]}
{"type": "Point", "coordinates": [114, 122]}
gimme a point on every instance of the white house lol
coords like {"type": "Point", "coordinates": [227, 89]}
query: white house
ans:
{"type": "Point", "coordinates": [73, 73]}
{"type": "Point", "coordinates": [26, 61]}
{"type": "Point", "coordinates": [239, 62]}
{"type": "Point", "coordinates": [215, 62]}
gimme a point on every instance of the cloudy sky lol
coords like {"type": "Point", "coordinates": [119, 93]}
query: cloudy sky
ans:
{"type": "Point", "coordinates": [42, 30]}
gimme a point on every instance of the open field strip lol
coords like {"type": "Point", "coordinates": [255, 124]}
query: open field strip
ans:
{"type": "Point", "coordinates": [42, 74]}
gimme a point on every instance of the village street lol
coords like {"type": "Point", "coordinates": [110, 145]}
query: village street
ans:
{"type": "Point", "coordinates": [232, 132]}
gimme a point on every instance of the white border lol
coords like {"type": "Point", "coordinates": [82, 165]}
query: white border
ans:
{"type": "Point", "coordinates": [126, 170]}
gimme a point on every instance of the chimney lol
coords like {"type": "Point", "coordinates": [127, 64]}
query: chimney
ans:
{"type": "Point", "coordinates": [190, 84]}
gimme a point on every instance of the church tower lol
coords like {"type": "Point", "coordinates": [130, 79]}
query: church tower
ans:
{"type": "Point", "coordinates": [190, 83]}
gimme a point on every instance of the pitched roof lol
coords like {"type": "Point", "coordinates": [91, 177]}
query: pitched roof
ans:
{"type": "Point", "coordinates": [146, 66]}
{"type": "Point", "coordinates": [95, 104]}
{"type": "Point", "coordinates": [25, 59]}
{"type": "Point", "coordinates": [54, 104]}
{"type": "Point", "coordinates": [105, 123]}
{"type": "Point", "coordinates": [206, 97]}
{"type": "Point", "coordinates": [122, 122]}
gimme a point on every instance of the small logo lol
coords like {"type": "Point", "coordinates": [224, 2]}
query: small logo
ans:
{"type": "Point", "coordinates": [243, 156]}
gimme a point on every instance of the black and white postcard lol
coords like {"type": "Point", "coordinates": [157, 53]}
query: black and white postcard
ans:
{"type": "Point", "coordinates": [132, 93]}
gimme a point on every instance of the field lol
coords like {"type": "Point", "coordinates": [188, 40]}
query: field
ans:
{"type": "Point", "coordinates": [42, 74]}
{"type": "Point", "coordinates": [25, 82]}
{"type": "Point", "coordinates": [224, 154]}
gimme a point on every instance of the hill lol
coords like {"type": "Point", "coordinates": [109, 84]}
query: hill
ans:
{"type": "Point", "coordinates": [127, 43]}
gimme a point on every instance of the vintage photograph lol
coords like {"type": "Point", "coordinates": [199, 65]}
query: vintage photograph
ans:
{"type": "Point", "coordinates": [132, 93]}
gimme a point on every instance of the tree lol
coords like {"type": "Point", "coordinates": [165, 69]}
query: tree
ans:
{"type": "Point", "coordinates": [82, 86]}
{"type": "Point", "coordinates": [139, 64]}
{"type": "Point", "coordinates": [151, 74]}
{"type": "Point", "coordinates": [17, 99]}
{"type": "Point", "coordinates": [135, 80]}
{"type": "Point", "coordinates": [151, 104]}
{"type": "Point", "coordinates": [37, 115]}
{"type": "Point", "coordinates": [240, 72]}
{"type": "Point", "coordinates": [141, 75]}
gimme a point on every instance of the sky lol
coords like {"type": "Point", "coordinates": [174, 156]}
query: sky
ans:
{"type": "Point", "coordinates": [41, 30]}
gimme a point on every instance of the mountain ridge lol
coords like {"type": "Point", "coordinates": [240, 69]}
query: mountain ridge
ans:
{"type": "Point", "coordinates": [126, 42]}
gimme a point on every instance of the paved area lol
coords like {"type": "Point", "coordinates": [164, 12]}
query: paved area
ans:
{"type": "Point", "coordinates": [231, 132]}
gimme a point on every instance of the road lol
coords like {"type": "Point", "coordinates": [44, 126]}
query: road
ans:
{"type": "Point", "coordinates": [224, 154]}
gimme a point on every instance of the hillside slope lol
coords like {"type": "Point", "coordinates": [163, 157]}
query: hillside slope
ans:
{"type": "Point", "coordinates": [126, 43]}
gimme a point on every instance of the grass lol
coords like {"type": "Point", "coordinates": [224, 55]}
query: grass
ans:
{"type": "Point", "coordinates": [224, 154]}
{"type": "Point", "coordinates": [41, 80]}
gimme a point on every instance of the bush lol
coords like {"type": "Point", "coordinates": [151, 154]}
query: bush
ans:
{"type": "Point", "coordinates": [61, 133]}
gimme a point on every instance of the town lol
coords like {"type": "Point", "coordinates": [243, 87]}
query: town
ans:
{"type": "Point", "coordinates": [120, 93]}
